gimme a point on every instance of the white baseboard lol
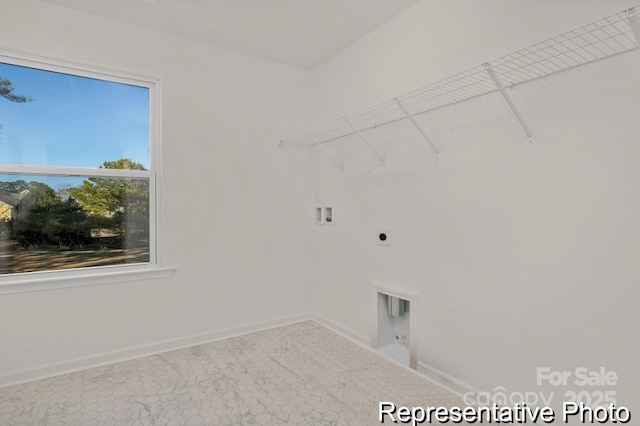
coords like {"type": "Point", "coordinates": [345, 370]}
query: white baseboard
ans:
{"type": "Point", "coordinates": [437, 376]}
{"type": "Point", "coordinates": [97, 360]}
{"type": "Point", "coordinates": [452, 383]}
{"type": "Point", "coordinates": [340, 329]}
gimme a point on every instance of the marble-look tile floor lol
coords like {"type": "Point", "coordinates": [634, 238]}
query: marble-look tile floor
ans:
{"type": "Point", "coordinates": [301, 374]}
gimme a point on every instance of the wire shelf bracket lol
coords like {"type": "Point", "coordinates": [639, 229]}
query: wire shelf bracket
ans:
{"type": "Point", "coordinates": [605, 38]}
{"type": "Point", "coordinates": [509, 101]}
{"type": "Point", "coordinates": [333, 160]}
{"type": "Point", "coordinates": [415, 124]}
{"type": "Point", "coordinates": [364, 140]}
{"type": "Point", "coordinates": [634, 24]}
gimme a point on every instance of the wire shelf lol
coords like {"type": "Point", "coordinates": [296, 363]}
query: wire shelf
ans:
{"type": "Point", "coordinates": [605, 38]}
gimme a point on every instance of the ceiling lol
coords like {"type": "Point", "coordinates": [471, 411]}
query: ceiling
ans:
{"type": "Point", "coordinates": [299, 33]}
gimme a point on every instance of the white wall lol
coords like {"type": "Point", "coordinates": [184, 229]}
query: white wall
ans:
{"type": "Point", "coordinates": [524, 255]}
{"type": "Point", "coordinates": [235, 227]}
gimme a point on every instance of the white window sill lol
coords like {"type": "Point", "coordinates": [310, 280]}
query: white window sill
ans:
{"type": "Point", "coordinates": [80, 278]}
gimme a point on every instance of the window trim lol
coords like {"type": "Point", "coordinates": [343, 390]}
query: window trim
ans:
{"type": "Point", "coordinates": [155, 268]}
{"type": "Point", "coordinates": [68, 278]}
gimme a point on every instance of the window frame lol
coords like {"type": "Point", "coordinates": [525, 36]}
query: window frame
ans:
{"type": "Point", "coordinates": [93, 275]}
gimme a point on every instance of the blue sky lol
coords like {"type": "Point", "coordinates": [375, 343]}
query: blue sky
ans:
{"type": "Point", "coordinates": [72, 121]}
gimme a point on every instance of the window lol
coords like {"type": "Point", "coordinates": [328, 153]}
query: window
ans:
{"type": "Point", "coordinates": [78, 175]}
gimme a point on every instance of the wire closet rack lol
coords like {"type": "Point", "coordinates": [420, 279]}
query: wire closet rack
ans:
{"type": "Point", "coordinates": [611, 36]}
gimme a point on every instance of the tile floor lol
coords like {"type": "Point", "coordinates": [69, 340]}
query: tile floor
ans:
{"type": "Point", "coordinates": [301, 374]}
